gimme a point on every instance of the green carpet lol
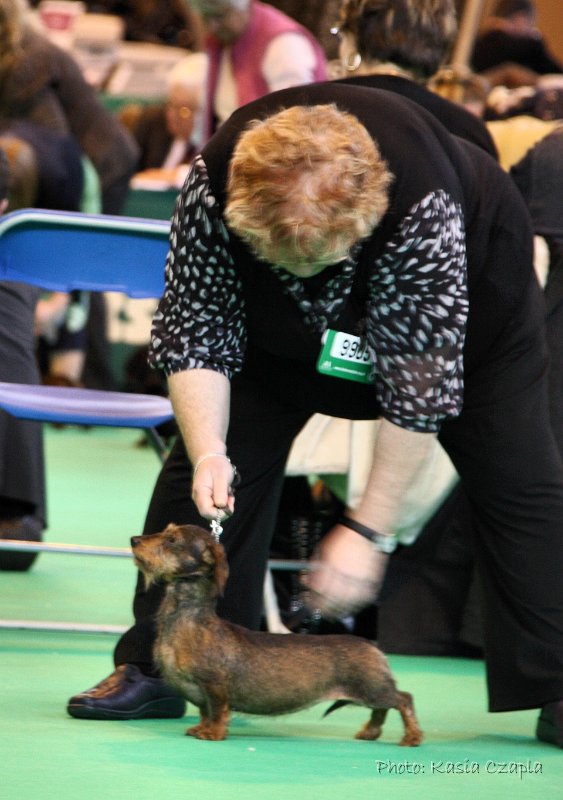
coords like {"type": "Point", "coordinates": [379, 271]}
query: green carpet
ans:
{"type": "Point", "coordinates": [99, 482]}
{"type": "Point", "coordinates": [99, 485]}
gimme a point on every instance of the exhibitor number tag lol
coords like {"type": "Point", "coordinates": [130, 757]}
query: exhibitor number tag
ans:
{"type": "Point", "coordinates": [346, 356]}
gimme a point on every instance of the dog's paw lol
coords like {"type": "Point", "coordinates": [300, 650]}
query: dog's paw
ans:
{"type": "Point", "coordinates": [411, 739]}
{"type": "Point", "coordinates": [208, 732]}
{"type": "Point", "coordinates": [369, 733]}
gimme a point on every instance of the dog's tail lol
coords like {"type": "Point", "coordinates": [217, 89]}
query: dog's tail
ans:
{"type": "Point", "coordinates": [335, 706]}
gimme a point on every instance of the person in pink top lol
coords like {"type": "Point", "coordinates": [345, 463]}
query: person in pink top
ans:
{"type": "Point", "coordinates": [253, 49]}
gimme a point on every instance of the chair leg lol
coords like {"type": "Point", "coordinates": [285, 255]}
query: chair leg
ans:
{"type": "Point", "coordinates": [157, 443]}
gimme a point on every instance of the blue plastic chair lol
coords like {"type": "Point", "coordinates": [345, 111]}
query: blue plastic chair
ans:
{"type": "Point", "coordinates": [64, 251]}
{"type": "Point", "coordinates": [60, 251]}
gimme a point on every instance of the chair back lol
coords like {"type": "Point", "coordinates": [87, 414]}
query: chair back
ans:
{"type": "Point", "coordinates": [65, 251]}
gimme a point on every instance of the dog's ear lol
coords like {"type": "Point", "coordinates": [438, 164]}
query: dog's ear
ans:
{"type": "Point", "coordinates": [221, 572]}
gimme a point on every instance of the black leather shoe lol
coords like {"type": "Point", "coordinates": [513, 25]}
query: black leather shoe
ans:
{"type": "Point", "coordinates": [550, 724]}
{"type": "Point", "coordinates": [29, 529]}
{"type": "Point", "coordinates": [127, 694]}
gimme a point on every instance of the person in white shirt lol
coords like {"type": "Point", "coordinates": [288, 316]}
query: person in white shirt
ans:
{"type": "Point", "coordinates": [253, 49]}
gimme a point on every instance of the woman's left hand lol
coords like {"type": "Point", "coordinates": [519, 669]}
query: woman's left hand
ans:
{"type": "Point", "coordinates": [346, 574]}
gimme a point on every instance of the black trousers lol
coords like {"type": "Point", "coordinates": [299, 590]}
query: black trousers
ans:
{"type": "Point", "coordinates": [504, 450]}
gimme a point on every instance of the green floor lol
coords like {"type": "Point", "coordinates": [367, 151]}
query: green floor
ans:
{"type": "Point", "coordinates": [99, 483]}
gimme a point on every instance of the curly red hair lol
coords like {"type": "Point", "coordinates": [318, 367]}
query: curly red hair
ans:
{"type": "Point", "coordinates": [305, 185]}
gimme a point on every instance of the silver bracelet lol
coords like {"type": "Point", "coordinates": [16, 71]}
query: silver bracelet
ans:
{"type": "Point", "coordinates": [200, 461]}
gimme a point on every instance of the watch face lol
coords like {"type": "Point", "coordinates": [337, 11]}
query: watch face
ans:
{"type": "Point", "coordinates": [385, 544]}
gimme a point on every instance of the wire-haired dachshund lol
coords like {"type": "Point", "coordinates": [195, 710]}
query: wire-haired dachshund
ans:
{"type": "Point", "coordinates": [220, 666]}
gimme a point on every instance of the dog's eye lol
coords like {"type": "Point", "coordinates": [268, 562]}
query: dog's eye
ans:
{"type": "Point", "coordinates": [170, 539]}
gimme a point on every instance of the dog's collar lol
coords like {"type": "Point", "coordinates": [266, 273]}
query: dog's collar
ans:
{"type": "Point", "coordinates": [179, 579]}
{"type": "Point", "coordinates": [186, 578]}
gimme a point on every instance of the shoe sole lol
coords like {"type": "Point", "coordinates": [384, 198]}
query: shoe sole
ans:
{"type": "Point", "coordinates": [164, 709]}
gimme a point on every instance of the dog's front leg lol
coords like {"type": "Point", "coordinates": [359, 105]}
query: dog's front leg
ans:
{"type": "Point", "coordinates": [214, 716]}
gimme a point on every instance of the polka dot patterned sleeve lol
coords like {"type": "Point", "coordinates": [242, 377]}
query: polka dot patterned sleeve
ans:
{"type": "Point", "coordinates": [417, 316]}
{"type": "Point", "coordinates": [199, 322]}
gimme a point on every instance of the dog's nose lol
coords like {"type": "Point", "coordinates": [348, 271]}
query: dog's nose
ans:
{"type": "Point", "coordinates": [135, 540]}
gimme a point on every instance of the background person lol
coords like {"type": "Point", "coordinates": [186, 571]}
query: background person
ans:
{"type": "Point", "coordinates": [539, 177]}
{"type": "Point", "coordinates": [253, 49]}
{"type": "Point", "coordinates": [22, 478]}
{"type": "Point", "coordinates": [510, 36]}
{"type": "Point", "coordinates": [378, 49]}
{"type": "Point", "coordinates": [42, 84]}
{"type": "Point", "coordinates": [169, 135]}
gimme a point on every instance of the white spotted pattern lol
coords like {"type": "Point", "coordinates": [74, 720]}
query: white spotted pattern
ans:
{"type": "Point", "coordinates": [415, 317]}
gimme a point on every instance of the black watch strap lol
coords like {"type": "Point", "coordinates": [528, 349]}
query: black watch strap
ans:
{"type": "Point", "coordinates": [383, 542]}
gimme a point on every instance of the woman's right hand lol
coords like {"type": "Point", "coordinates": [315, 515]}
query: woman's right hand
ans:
{"type": "Point", "coordinates": [212, 486]}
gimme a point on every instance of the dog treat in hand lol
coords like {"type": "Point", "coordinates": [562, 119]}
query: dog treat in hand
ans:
{"type": "Point", "coordinates": [219, 666]}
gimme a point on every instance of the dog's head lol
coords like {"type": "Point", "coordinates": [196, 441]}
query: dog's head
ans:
{"type": "Point", "coordinates": [182, 553]}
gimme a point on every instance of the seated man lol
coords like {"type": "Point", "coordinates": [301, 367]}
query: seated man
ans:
{"type": "Point", "coordinates": [170, 134]}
